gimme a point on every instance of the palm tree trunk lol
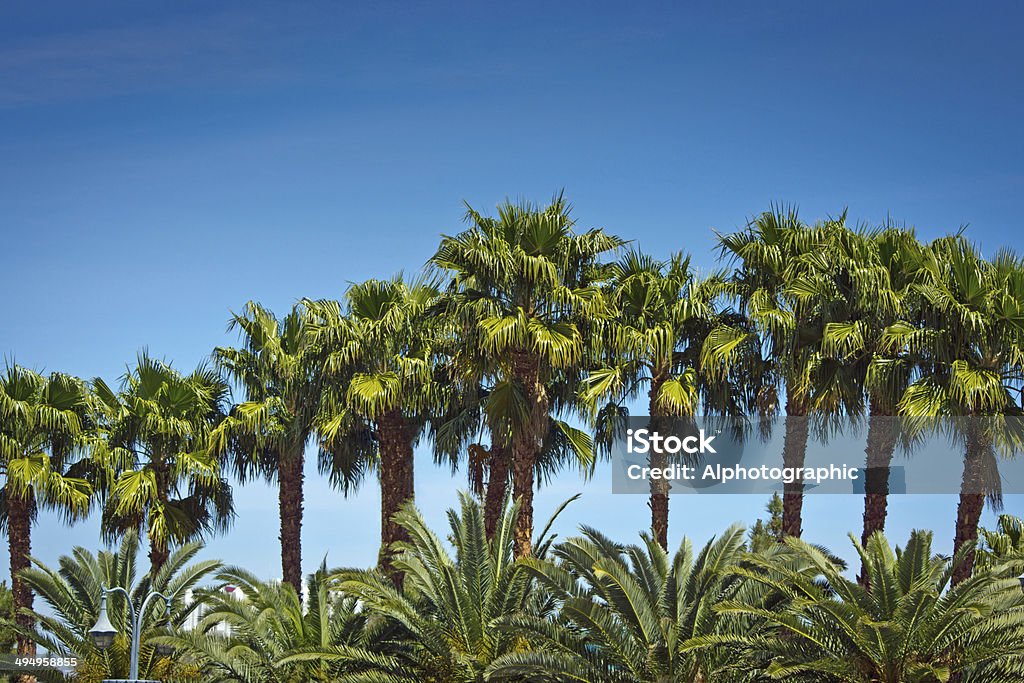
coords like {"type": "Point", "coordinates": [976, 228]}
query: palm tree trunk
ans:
{"type": "Point", "coordinates": [19, 530]}
{"type": "Point", "coordinates": [658, 500]}
{"type": "Point", "coordinates": [794, 452]}
{"type": "Point", "coordinates": [972, 500]}
{"type": "Point", "coordinates": [158, 547]}
{"type": "Point", "coordinates": [290, 479]}
{"type": "Point", "coordinates": [527, 440]}
{"type": "Point", "coordinates": [497, 488]}
{"type": "Point", "coordinates": [396, 484]}
{"type": "Point", "coordinates": [880, 448]}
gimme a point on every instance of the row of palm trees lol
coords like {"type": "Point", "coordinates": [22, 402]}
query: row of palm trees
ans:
{"type": "Point", "coordinates": [524, 328]}
{"type": "Point", "coordinates": [587, 609]}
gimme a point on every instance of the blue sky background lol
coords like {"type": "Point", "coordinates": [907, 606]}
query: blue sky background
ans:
{"type": "Point", "coordinates": [162, 163]}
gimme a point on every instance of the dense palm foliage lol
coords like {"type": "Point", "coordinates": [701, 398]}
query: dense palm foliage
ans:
{"type": "Point", "coordinates": [157, 429]}
{"type": "Point", "coordinates": [519, 353]}
{"type": "Point", "coordinates": [45, 423]}
{"type": "Point", "coordinates": [631, 613]}
{"type": "Point", "coordinates": [257, 631]}
{"type": "Point", "coordinates": [451, 618]}
{"type": "Point", "coordinates": [908, 624]}
{"type": "Point", "coordinates": [72, 592]}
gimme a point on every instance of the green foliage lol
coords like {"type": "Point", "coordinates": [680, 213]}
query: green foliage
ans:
{"type": "Point", "coordinates": [72, 593]}
{"type": "Point", "coordinates": [630, 613]}
{"type": "Point", "coordinates": [7, 632]}
{"type": "Point", "coordinates": [764, 534]}
{"type": "Point", "coordinates": [261, 632]}
{"type": "Point", "coordinates": [157, 430]}
{"type": "Point", "coordinates": [46, 427]}
{"type": "Point", "coordinates": [907, 624]}
{"type": "Point", "coordinates": [451, 615]}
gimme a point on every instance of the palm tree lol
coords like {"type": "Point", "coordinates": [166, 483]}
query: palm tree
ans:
{"type": "Point", "coordinates": [453, 611]}
{"type": "Point", "coordinates": [530, 285]}
{"type": "Point", "coordinates": [793, 288]}
{"type": "Point", "coordinates": [908, 623]}
{"type": "Point", "coordinates": [44, 423]}
{"type": "Point", "coordinates": [73, 592]}
{"type": "Point", "coordinates": [158, 428]}
{"type": "Point", "coordinates": [765, 249]}
{"type": "Point", "coordinates": [966, 345]}
{"type": "Point", "coordinates": [663, 314]}
{"type": "Point", "coordinates": [280, 374]}
{"type": "Point", "coordinates": [261, 632]}
{"type": "Point", "coordinates": [1003, 543]}
{"type": "Point", "coordinates": [870, 273]}
{"type": "Point", "coordinates": [382, 347]}
{"type": "Point", "coordinates": [881, 269]}
{"type": "Point", "coordinates": [630, 613]}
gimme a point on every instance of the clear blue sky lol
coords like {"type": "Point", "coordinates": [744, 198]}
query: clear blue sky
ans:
{"type": "Point", "coordinates": [163, 163]}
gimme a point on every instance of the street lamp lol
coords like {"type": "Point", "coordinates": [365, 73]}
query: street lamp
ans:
{"type": "Point", "coordinates": [103, 632]}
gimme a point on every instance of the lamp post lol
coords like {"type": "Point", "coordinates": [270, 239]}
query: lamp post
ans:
{"type": "Point", "coordinates": [103, 632]}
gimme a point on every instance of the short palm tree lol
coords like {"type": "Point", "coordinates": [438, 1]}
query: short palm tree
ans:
{"type": "Point", "coordinates": [452, 613]}
{"type": "Point", "coordinates": [266, 435]}
{"type": "Point", "coordinates": [158, 428]}
{"type": "Point", "coordinates": [44, 424]}
{"type": "Point", "coordinates": [907, 624]}
{"type": "Point", "coordinates": [530, 284]}
{"type": "Point", "coordinates": [630, 613]}
{"type": "Point", "coordinates": [262, 632]}
{"type": "Point", "coordinates": [72, 592]}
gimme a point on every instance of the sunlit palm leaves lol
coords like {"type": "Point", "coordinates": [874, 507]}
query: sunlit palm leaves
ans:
{"type": "Point", "coordinates": [72, 593]}
{"type": "Point", "coordinates": [158, 427]}
{"type": "Point", "coordinates": [909, 624]}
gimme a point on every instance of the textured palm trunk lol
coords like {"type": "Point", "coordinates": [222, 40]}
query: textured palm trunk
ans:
{"type": "Point", "coordinates": [497, 488]}
{"type": "Point", "coordinates": [658, 500]}
{"type": "Point", "coordinates": [527, 440]}
{"type": "Point", "coordinates": [396, 485]}
{"type": "Point", "coordinates": [879, 451]}
{"type": "Point", "coordinates": [972, 501]}
{"type": "Point", "coordinates": [794, 452]}
{"type": "Point", "coordinates": [19, 530]}
{"type": "Point", "coordinates": [158, 548]}
{"type": "Point", "coordinates": [290, 500]}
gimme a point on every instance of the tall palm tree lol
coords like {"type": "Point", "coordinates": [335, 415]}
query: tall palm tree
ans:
{"type": "Point", "coordinates": [630, 613]}
{"type": "Point", "coordinates": [777, 297]}
{"type": "Point", "coordinates": [906, 624]}
{"type": "Point", "coordinates": [266, 435]}
{"type": "Point", "coordinates": [158, 427]}
{"type": "Point", "coordinates": [871, 272]}
{"type": "Point", "coordinates": [382, 346]}
{"type": "Point", "coordinates": [966, 343]}
{"type": "Point", "coordinates": [530, 284]}
{"type": "Point", "coordinates": [72, 591]}
{"type": "Point", "coordinates": [44, 423]}
{"type": "Point", "coordinates": [663, 314]}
